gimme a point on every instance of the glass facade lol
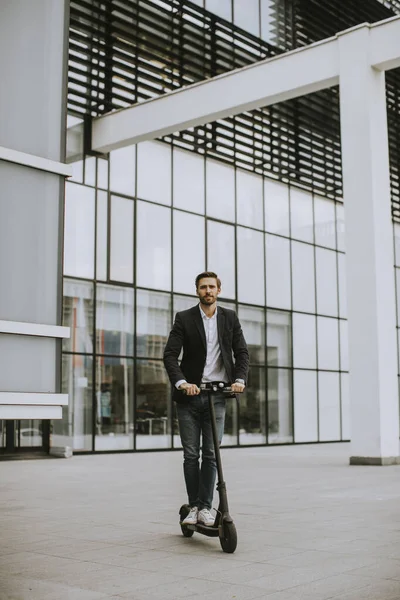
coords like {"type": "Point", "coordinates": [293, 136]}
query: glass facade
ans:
{"type": "Point", "coordinates": [144, 222]}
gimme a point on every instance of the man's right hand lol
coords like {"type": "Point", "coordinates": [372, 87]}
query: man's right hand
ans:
{"type": "Point", "coordinates": [190, 389]}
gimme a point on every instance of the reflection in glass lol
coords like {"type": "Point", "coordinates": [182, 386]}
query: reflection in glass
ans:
{"type": "Point", "coordinates": [76, 427]}
{"type": "Point", "coordinates": [220, 191]}
{"type": "Point", "coordinates": [302, 220]}
{"type": "Point", "coordinates": [252, 408]}
{"type": "Point", "coordinates": [188, 181]}
{"type": "Point", "coordinates": [184, 302]}
{"type": "Point", "coordinates": [246, 16]}
{"type": "Point", "coordinates": [121, 240]}
{"type": "Point", "coordinates": [304, 341]}
{"type": "Point", "coordinates": [221, 255]}
{"type": "Point", "coordinates": [277, 272]}
{"type": "Point", "coordinates": [280, 406]}
{"type": "Point", "coordinates": [153, 246]}
{"type": "Point", "coordinates": [114, 403]}
{"type": "Point", "coordinates": [276, 198]}
{"type": "Point", "coordinates": [79, 231]}
{"type": "Point", "coordinates": [252, 322]}
{"type": "Point", "coordinates": [230, 437]}
{"type": "Point", "coordinates": [329, 406]}
{"type": "Point", "coordinates": [325, 222]}
{"type": "Point", "coordinates": [122, 170]}
{"type": "Point", "coordinates": [189, 250]}
{"type": "Point", "coordinates": [250, 251]}
{"type": "Point", "coordinates": [154, 172]}
{"type": "Point", "coordinates": [303, 277]}
{"type": "Point", "coordinates": [114, 320]}
{"type": "Point", "coordinates": [101, 236]}
{"type": "Point", "coordinates": [279, 339]}
{"type": "Point", "coordinates": [153, 323]}
{"type": "Point", "coordinates": [328, 343]}
{"type": "Point", "coordinates": [78, 315]}
{"type": "Point", "coordinates": [153, 406]}
{"type": "Point", "coordinates": [249, 190]}
{"type": "Point", "coordinates": [29, 433]}
{"type": "Point", "coordinates": [326, 282]}
{"type": "Point", "coordinates": [305, 406]}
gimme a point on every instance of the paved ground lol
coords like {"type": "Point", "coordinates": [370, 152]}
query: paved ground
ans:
{"type": "Point", "coordinates": [105, 527]}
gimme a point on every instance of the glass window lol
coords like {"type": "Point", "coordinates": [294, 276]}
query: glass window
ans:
{"type": "Point", "coordinates": [221, 255]}
{"type": "Point", "coordinates": [114, 320]}
{"type": "Point", "coordinates": [344, 345]}
{"type": "Point", "coordinates": [279, 339]}
{"type": "Point", "coordinates": [252, 409]}
{"type": "Point", "coordinates": [268, 23]}
{"type": "Point", "coordinates": [122, 170]}
{"type": "Point", "coordinates": [77, 171]}
{"type": "Point", "coordinates": [78, 315]}
{"type": "Point", "coordinates": [188, 181]}
{"type": "Point", "coordinates": [189, 250]}
{"type": "Point", "coordinates": [90, 171]}
{"type": "Point", "coordinates": [247, 16]}
{"type": "Point", "coordinates": [153, 246]}
{"type": "Point", "coordinates": [154, 172]}
{"type": "Point", "coordinates": [397, 289]}
{"type": "Point", "coordinates": [329, 406]}
{"type": "Point", "coordinates": [153, 322]}
{"type": "Point", "coordinates": [280, 406]}
{"type": "Point", "coordinates": [303, 277]}
{"type": "Point", "coordinates": [249, 189]}
{"type": "Point", "coordinates": [305, 406]}
{"type": "Point", "coordinates": [153, 406]}
{"type": "Point", "coordinates": [220, 191]}
{"type": "Point", "coordinates": [276, 201]}
{"type": "Point", "coordinates": [102, 173]}
{"type": "Point", "coordinates": [342, 285]}
{"type": "Point", "coordinates": [101, 236]}
{"type": "Point", "coordinates": [301, 212]}
{"type": "Point", "coordinates": [79, 231]}
{"type": "Point", "coordinates": [340, 226]}
{"type": "Point", "coordinates": [253, 326]}
{"type": "Point", "coordinates": [114, 403]}
{"type": "Point", "coordinates": [121, 239]}
{"type": "Point", "coordinates": [328, 343]}
{"type": "Point", "coordinates": [76, 426]}
{"type": "Point", "coordinates": [304, 341]}
{"type": "Point", "coordinates": [222, 8]}
{"type": "Point", "coordinates": [325, 222]}
{"type": "Point", "coordinates": [345, 396]}
{"type": "Point", "coordinates": [184, 302]}
{"type": "Point", "coordinates": [277, 274]}
{"type": "Point", "coordinates": [230, 437]}
{"type": "Point", "coordinates": [250, 251]}
{"type": "Point", "coordinates": [396, 234]}
{"type": "Point", "coordinates": [326, 281]}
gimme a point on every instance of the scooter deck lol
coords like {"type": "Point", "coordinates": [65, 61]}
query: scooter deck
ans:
{"type": "Point", "coordinates": [208, 531]}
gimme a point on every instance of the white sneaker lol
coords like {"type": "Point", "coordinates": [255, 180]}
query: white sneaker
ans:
{"type": "Point", "coordinates": [191, 518]}
{"type": "Point", "coordinates": [206, 518]}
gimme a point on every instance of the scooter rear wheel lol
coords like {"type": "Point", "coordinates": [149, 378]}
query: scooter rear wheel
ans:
{"type": "Point", "coordinates": [229, 541]}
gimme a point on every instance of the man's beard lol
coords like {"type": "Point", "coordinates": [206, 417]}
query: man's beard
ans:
{"type": "Point", "coordinates": [206, 300]}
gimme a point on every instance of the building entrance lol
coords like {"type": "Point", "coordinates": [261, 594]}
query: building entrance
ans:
{"type": "Point", "coordinates": [23, 436]}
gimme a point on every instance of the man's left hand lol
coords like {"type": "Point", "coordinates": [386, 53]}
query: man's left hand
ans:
{"type": "Point", "coordinates": [237, 388]}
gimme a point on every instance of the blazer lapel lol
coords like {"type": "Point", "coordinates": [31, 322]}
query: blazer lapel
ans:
{"type": "Point", "coordinates": [220, 325]}
{"type": "Point", "coordinates": [199, 324]}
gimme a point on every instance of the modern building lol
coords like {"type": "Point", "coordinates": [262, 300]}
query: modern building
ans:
{"type": "Point", "coordinates": [256, 195]}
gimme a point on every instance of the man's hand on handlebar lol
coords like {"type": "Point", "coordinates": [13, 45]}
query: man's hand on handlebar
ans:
{"type": "Point", "coordinates": [237, 387]}
{"type": "Point", "coordinates": [190, 389]}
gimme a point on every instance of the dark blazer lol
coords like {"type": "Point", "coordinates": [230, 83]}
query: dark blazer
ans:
{"type": "Point", "coordinates": [188, 333]}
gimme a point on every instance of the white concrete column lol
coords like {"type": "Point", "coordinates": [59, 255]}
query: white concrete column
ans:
{"type": "Point", "coordinates": [369, 251]}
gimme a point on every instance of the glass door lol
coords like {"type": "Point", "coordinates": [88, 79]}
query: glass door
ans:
{"type": "Point", "coordinates": [24, 435]}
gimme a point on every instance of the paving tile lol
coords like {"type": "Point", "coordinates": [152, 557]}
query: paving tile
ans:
{"type": "Point", "coordinates": [21, 588]}
{"type": "Point", "coordinates": [323, 589]}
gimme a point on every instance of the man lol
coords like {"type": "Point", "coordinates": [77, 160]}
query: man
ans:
{"type": "Point", "coordinates": [208, 335]}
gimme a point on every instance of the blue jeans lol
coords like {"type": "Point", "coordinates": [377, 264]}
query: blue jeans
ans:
{"type": "Point", "coordinates": [195, 420]}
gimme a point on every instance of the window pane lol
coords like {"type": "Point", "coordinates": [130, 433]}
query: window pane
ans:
{"type": "Point", "coordinates": [325, 222]}
{"type": "Point", "coordinates": [102, 173]}
{"type": "Point", "coordinates": [250, 266]}
{"type": "Point", "coordinates": [268, 22]}
{"type": "Point", "coordinates": [79, 231]}
{"type": "Point", "coordinates": [114, 403]}
{"type": "Point", "coordinates": [249, 199]}
{"type": "Point", "coordinates": [76, 426]}
{"type": "Point", "coordinates": [114, 320]}
{"type": "Point", "coordinates": [153, 323]}
{"type": "Point", "coordinates": [301, 211]}
{"type": "Point", "coordinates": [329, 406]}
{"type": "Point", "coordinates": [122, 170]}
{"type": "Point", "coordinates": [184, 302]}
{"type": "Point", "coordinates": [154, 172]}
{"type": "Point", "coordinates": [276, 198]}
{"type": "Point", "coordinates": [188, 181]}
{"type": "Point", "coordinates": [252, 321]}
{"type": "Point", "coordinates": [121, 251]}
{"type": "Point", "coordinates": [342, 285]}
{"type": "Point", "coordinates": [344, 346]}
{"type": "Point", "coordinates": [278, 272]}
{"type": "Point", "coordinates": [247, 16]}
{"type": "Point", "coordinates": [346, 417]}
{"type": "Point", "coordinates": [189, 250]}
{"type": "Point", "coordinates": [326, 280]}
{"type": "Point", "coordinates": [328, 344]}
{"type": "Point", "coordinates": [279, 339]}
{"type": "Point", "coordinates": [220, 191]}
{"type": "Point", "coordinates": [222, 8]}
{"type": "Point", "coordinates": [90, 171]}
{"type": "Point", "coordinates": [305, 406]}
{"type": "Point", "coordinates": [230, 437]}
{"type": "Point", "coordinates": [396, 235]}
{"type": "Point", "coordinates": [101, 239]}
{"type": "Point", "coordinates": [280, 406]}
{"type": "Point", "coordinates": [77, 171]}
{"type": "Point", "coordinates": [153, 246]}
{"type": "Point", "coordinates": [340, 226]}
{"type": "Point", "coordinates": [78, 315]}
{"type": "Point", "coordinates": [221, 255]}
{"type": "Point", "coordinates": [303, 277]}
{"type": "Point", "coordinates": [304, 342]}
{"type": "Point", "coordinates": [153, 406]}
{"type": "Point", "coordinates": [252, 409]}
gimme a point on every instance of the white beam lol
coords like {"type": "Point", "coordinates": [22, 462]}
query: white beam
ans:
{"type": "Point", "coordinates": [31, 398]}
{"type": "Point", "coordinates": [10, 411]}
{"type": "Point", "coordinates": [276, 79]}
{"type": "Point", "coordinates": [35, 162]}
{"type": "Point", "coordinates": [35, 329]}
{"type": "Point", "coordinates": [385, 44]}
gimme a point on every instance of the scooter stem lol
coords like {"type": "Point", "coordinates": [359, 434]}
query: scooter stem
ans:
{"type": "Point", "coordinates": [221, 486]}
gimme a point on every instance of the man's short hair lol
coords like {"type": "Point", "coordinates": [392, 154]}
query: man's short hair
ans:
{"type": "Point", "coordinates": [208, 274]}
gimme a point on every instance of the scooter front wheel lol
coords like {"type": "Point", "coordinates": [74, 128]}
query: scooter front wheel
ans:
{"type": "Point", "coordinates": [183, 513]}
{"type": "Point", "coordinates": [229, 540]}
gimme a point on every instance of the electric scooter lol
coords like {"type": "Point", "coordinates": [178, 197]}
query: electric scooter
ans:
{"type": "Point", "coordinates": [224, 527]}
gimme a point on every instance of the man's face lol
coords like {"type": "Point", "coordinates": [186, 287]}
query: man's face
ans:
{"type": "Point", "coordinates": [208, 290]}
